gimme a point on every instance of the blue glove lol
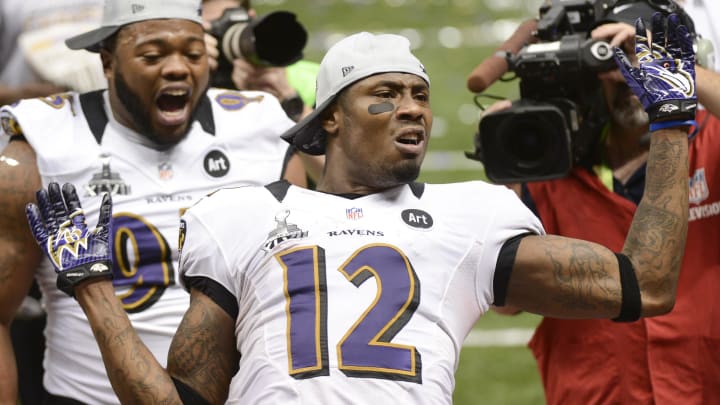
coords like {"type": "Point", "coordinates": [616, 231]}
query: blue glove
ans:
{"type": "Point", "coordinates": [58, 225]}
{"type": "Point", "coordinates": [665, 79]}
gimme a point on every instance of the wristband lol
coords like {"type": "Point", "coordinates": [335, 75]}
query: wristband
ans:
{"type": "Point", "coordinates": [671, 124]}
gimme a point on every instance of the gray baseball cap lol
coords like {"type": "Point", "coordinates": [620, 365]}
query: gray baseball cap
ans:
{"type": "Point", "coordinates": [351, 59]}
{"type": "Point", "coordinates": [118, 13]}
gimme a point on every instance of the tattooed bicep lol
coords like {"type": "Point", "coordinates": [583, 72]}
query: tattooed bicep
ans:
{"type": "Point", "coordinates": [203, 352]}
{"type": "Point", "coordinates": [564, 277]}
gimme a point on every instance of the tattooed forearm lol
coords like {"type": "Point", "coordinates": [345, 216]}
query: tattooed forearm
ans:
{"type": "Point", "coordinates": [656, 240]}
{"type": "Point", "coordinates": [662, 167]}
{"type": "Point", "coordinates": [135, 375]}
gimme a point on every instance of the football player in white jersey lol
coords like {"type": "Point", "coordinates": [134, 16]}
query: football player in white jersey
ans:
{"type": "Point", "coordinates": [363, 291]}
{"type": "Point", "coordinates": [158, 141]}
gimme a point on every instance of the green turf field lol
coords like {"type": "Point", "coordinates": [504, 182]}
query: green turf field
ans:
{"type": "Point", "coordinates": [452, 37]}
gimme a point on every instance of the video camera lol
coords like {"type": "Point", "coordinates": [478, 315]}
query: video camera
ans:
{"type": "Point", "coordinates": [275, 39]}
{"type": "Point", "coordinates": [559, 116]}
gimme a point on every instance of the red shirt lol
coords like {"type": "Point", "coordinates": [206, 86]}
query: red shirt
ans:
{"type": "Point", "coordinates": [670, 359]}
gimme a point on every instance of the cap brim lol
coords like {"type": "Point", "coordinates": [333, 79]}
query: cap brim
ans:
{"type": "Point", "coordinates": [91, 40]}
{"type": "Point", "coordinates": [308, 136]}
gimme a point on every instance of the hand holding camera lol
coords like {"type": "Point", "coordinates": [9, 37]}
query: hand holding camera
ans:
{"type": "Point", "coordinates": [273, 40]}
{"type": "Point", "coordinates": [664, 81]}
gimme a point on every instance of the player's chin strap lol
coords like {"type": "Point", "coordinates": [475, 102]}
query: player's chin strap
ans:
{"type": "Point", "coordinates": [631, 307]}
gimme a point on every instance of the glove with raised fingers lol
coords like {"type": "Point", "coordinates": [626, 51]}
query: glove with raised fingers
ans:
{"type": "Point", "coordinates": [664, 81]}
{"type": "Point", "coordinates": [58, 224]}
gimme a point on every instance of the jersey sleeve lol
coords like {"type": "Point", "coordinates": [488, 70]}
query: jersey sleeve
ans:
{"type": "Point", "coordinates": [511, 220]}
{"type": "Point", "coordinates": [203, 265]}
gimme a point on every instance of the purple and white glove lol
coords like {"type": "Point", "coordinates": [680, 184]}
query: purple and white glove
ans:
{"type": "Point", "coordinates": [664, 81]}
{"type": "Point", "coordinates": [58, 225]}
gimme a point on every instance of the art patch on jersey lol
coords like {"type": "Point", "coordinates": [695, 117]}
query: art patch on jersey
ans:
{"type": "Point", "coordinates": [698, 187]}
{"type": "Point", "coordinates": [354, 213]}
{"type": "Point", "coordinates": [235, 100]}
{"type": "Point", "coordinates": [58, 101]}
{"type": "Point", "coordinates": [9, 124]}
{"type": "Point", "coordinates": [216, 164]}
{"type": "Point", "coordinates": [106, 181]}
{"type": "Point", "coordinates": [417, 219]}
{"type": "Point", "coordinates": [283, 231]}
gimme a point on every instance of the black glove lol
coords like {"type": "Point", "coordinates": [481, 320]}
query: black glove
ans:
{"type": "Point", "coordinates": [58, 225]}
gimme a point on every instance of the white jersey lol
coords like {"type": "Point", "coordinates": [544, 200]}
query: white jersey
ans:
{"type": "Point", "coordinates": [235, 140]}
{"type": "Point", "coordinates": [350, 301]}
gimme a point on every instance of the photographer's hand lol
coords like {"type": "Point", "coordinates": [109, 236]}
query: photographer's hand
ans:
{"type": "Point", "coordinates": [664, 81]}
{"type": "Point", "coordinates": [211, 47]}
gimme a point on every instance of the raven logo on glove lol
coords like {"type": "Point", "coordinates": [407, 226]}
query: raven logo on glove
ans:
{"type": "Point", "coordinates": [58, 225]}
{"type": "Point", "coordinates": [664, 81]}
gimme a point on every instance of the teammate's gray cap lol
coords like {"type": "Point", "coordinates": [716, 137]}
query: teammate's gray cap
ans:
{"type": "Point", "coordinates": [118, 13]}
{"type": "Point", "coordinates": [349, 60]}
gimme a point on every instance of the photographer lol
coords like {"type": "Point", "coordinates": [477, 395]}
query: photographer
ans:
{"type": "Point", "coordinates": [293, 85]}
{"type": "Point", "coordinates": [670, 359]}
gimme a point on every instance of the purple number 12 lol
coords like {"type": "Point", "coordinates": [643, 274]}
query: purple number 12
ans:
{"type": "Point", "coordinates": [366, 349]}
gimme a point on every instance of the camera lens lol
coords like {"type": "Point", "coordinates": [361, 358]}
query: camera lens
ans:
{"type": "Point", "coordinates": [527, 145]}
{"type": "Point", "coordinates": [525, 142]}
{"type": "Point", "coordinates": [530, 141]}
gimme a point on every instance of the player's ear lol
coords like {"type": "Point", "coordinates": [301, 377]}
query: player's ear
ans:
{"type": "Point", "coordinates": [330, 119]}
{"type": "Point", "coordinates": [107, 60]}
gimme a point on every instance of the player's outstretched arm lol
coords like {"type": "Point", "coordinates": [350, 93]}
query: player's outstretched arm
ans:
{"type": "Point", "coordinates": [81, 257]}
{"type": "Point", "coordinates": [563, 277]}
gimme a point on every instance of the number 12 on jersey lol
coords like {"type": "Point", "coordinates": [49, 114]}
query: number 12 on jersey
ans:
{"type": "Point", "coordinates": [366, 349]}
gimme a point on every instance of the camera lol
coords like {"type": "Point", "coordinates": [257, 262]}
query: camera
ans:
{"type": "Point", "coordinates": [275, 39]}
{"type": "Point", "coordinates": [557, 121]}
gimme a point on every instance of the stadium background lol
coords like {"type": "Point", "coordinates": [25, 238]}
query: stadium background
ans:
{"type": "Point", "coordinates": [451, 37]}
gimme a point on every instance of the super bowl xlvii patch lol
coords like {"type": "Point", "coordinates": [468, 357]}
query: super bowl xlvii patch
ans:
{"type": "Point", "coordinates": [417, 219]}
{"type": "Point", "coordinates": [106, 181]}
{"type": "Point", "coordinates": [9, 124]}
{"type": "Point", "coordinates": [283, 231]}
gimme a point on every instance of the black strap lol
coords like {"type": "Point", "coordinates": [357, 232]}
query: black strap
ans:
{"type": "Point", "coordinates": [631, 307]}
{"type": "Point", "coordinates": [504, 266]}
{"type": "Point", "coordinates": [188, 395]}
{"type": "Point", "coordinates": [51, 399]}
{"type": "Point", "coordinates": [20, 137]}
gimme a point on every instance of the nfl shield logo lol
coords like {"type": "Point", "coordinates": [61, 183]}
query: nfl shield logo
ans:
{"type": "Point", "coordinates": [354, 213]}
{"type": "Point", "coordinates": [165, 170]}
{"type": "Point", "coordinates": [698, 187]}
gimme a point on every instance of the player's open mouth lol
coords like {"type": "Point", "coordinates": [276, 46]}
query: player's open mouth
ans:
{"type": "Point", "coordinates": [173, 106]}
{"type": "Point", "coordinates": [410, 140]}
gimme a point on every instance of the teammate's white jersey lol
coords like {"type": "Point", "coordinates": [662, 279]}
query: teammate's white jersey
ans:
{"type": "Point", "coordinates": [234, 140]}
{"type": "Point", "coordinates": [350, 301]}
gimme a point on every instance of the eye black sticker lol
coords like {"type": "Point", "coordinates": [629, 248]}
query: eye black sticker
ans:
{"type": "Point", "coordinates": [384, 107]}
